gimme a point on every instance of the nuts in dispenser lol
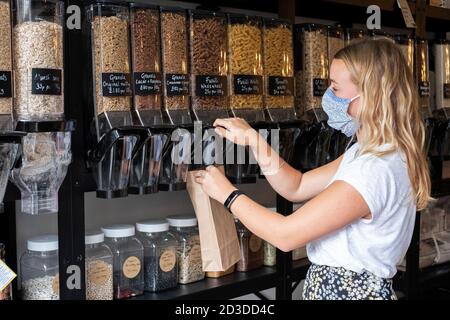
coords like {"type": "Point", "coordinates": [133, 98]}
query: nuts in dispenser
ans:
{"type": "Point", "coordinates": [209, 60]}
{"type": "Point", "coordinates": [5, 59]}
{"type": "Point", "coordinates": [111, 60]}
{"type": "Point", "coordinates": [311, 70]}
{"type": "Point", "coordinates": [145, 52]}
{"type": "Point", "coordinates": [245, 47]}
{"type": "Point", "coordinates": [38, 61]}
{"type": "Point", "coordinates": [278, 64]}
{"type": "Point", "coordinates": [175, 59]}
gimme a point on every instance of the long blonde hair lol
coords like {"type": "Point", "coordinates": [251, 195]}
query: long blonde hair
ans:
{"type": "Point", "coordinates": [389, 108]}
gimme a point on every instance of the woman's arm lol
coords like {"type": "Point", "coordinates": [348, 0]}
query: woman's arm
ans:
{"type": "Point", "coordinates": [335, 207]}
{"type": "Point", "coordinates": [284, 179]}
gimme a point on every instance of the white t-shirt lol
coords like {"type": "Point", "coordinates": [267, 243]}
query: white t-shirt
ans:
{"type": "Point", "coordinates": [379, 244]}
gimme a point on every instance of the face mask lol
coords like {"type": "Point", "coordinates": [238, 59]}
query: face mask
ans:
{"type": "Point", "coordinates": [337, 110]}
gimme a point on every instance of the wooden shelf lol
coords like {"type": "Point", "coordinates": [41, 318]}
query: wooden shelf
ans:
{"type": "Point", "coordinates": [438, 13]}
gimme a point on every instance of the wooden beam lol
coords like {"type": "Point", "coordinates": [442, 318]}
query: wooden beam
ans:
{"type": "Point", "coordinates": [421, 18]}
{"type": "Point", "coordinates": [286, 10]}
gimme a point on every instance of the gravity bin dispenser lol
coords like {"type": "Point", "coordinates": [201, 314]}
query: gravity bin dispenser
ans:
{"type": "Point", "coordinates": [39, 104]}
{"type": "Point", "coordinates": [115, 139]}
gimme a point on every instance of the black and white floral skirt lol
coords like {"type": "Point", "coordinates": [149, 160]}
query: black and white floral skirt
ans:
{"type": "Point", "coordinates": [333, 283]}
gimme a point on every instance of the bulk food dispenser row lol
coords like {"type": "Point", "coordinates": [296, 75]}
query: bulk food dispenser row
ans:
{"type": "Point", "coordinates": [32, 102]}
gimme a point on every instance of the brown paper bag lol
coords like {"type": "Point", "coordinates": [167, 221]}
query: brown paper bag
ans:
{"type": "Point", "coordinates": [218, 236]}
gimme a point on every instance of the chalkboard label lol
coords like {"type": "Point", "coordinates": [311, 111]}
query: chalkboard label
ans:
{"type": "Point", "coordinates": [245, 84]}
{"type": "Point", "coordinates": [424, 88]}
{"type": "Point", "coordinates": [210, 86]}
{"type": "Point", "coordinates": [319, 87]}
{"type": "Point", "coordinates": [177, 84]}
{"type": "Point", "coordinates": [5, 84]}
{"type": "Point", "coordinates": [281, 86]}
{"type": "Point", "coordinates": [147, 83]}
{"type": "Point", "coordinates": [446, 90]}
{"type": "Point", "coordinates": [116, 84]}
{"type": "Point", "coordinates": [46, 81]}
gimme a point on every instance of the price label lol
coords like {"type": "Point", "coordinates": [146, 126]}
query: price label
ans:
{"type": "Point", "coordinates": [446, 90]}
{"type": "Point", "coordinates": [281, 86]}
{"type": "Point", "coordinates": [177, 84]}
{"type": "Point", "coordinates": [319, 87]}
{"type": "Point", "coordinates": [245, 84]}
{"type": "Point", "coordinates": [407, 14]}
{"type": "Point", "coordinates": [116, 84]}
{"type": "Point", "coordinates": [147, 83]}
{"type": "Point", "coordinates": [210, 86]}
{"type": "Point", "coordinates": [5, 84]}
{"type": "Point", "coordinates": [46, 81]}
{"type": "Point", "coordinates": [424, 88]}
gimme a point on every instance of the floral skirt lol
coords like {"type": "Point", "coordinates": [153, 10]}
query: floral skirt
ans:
{"type": "Point", "coordinates": [333, 283]}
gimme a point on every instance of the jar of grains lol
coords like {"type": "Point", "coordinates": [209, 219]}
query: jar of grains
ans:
{"type": "Point", "coordinates": [160, 255]}
{"type": "Point", "coordinates": [423, 75]}
{"type": "Point", "coordinates": [442, 73]}
{"type": "Point", "coordinates": [189, 254]}
{"type": "Point", "coordinates": [39, 60]}
{"type": "Point", "coordinates": [39, 269]}
{"type": "Point", "coordinates": [6, 91]}
{"type": "Point", "coordinates": [336, 41]}
{"type": "Point", "coordinates": [128, 258]}
{"type": "Point", "coordinates": [406, 44]}
{"type": "Point", "coordinates": [99, 267]}
{"type": "Point", "coordinates": [354, 35]}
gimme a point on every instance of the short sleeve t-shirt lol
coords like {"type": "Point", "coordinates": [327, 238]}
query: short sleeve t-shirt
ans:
{"type": "Point", "coordinates": [378, 244]}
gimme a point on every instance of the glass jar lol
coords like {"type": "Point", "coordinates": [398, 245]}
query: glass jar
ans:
{"type": "Point", "coordinates": [209, 68]}
{"type": "Point", "coordinates": [146, 57]}
{"type": "Point", "coordinates": [299, 253]}
{"type": "Point", "coordinates": [270, 254]}
{"type": "Point", "coordinates": [406, 44]}
{"type": "Point", "coordinates": [160, 255]}
{"type": "Point", "coordinates": [245, 45]}
{"type": "Point", "coordinates": [189, 254]}
{"type": "Point", "coordinates": [442, 73]}
{"type": "Point", "coordinates": [252, 249]}
{"type": "Point", "coordinates": [39, 269]}
{"type": "Point", "coordinates": [109, 28]}
{"type": "Point", "coordinates": [6, 91]}
{"type": "Point", "coordinates": [174, 48]}
{"type": "Point", "coordinates": [279, 68]}
{"type": "Point", "coordinates": [336, 41]}
{"type": "Point", "coordinates": [311, 68]}
{"type": "Point", "coordinates": [354, 34]}
{"type": "Point", "coordinates": [423, 74]}
{"type": "Point", "coordinates": [5, 294]}
{"type": "Point", "coordinates": [128, 258]}
{"type": "Point", "coordinates": [99, 267]}
{"type": "Point", "coordinates": [39, 60]}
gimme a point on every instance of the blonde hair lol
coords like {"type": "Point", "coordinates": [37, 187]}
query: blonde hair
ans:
{"type": "Point", "coordinates": [389, 108]}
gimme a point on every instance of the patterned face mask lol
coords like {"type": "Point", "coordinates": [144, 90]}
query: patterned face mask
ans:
{"type": "Point", "coordinates": [337, 110]}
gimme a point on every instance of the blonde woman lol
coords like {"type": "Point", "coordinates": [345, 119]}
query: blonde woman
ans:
{"type": "Point", "coordinates": [359, 216]}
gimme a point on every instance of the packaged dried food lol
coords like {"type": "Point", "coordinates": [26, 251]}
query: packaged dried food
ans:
{"type": "Point", "coordinates": [6, 293]}
{"type": "Point", "coordinates": [6, 90]}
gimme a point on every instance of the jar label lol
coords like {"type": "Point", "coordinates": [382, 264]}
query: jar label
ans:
{"type": "Point", "coordinates": [99, 272]}
{"type": "Point", "coordinates": [116, 84]}
{"type": "Point", "coordinates": [46, 81]}
{"type": "Point", "coordinates": [167, 261]}
{"type": "Point", "coordinates": [255, 243]}
{"type": "Point", "coordinates": [245, 84]}
{"type": "Point", "coordinates": [5, 84]}
{"type": "Point", "coordinates": [319, 87]}
{"type": "Point", "coordinates": [424, 88]}
{"type": "Point", "coordinates": [147, 83]}
{"type": "Point", "coordinates": [210, 86]}
{"type": "Point", "coordinates": [55, 285]}
{"type": "Point", "coordinates": [446, 90]}
{"type": "Point", "coordinates": [177, 84]}
{"type": "Point", "coordinates": [131, 267]}
{"type": "Point", "coordinates": [281, 86]}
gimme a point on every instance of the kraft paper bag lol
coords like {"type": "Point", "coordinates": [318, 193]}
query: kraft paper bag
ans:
{"type": "Point", "coordinates": [218, 236]}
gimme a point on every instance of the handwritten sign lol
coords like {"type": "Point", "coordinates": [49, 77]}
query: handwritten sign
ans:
{"type": "Point", "coordinates": [177, 84]}
{"type": "Point", "coordinates": [147, 83]}
{"type": "Point", "coordinates": [5, 84]}
{"type": "Point", "coordinates": [210, 86]}
{"type": "Point", "coordinates": [116, 84]}
{"type": "Point", "coordinates": [245, 84]}
{"type": "Point", "coordinates": [319, 87]}
{"type": "Point", "coordinates": [46, 81]}
{"type": "Point", "coordinates": [281, 86]}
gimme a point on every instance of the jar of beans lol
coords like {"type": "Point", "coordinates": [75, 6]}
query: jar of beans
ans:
{"type": "Point", "coordinates": [160, 255]}
{"type": "Point", "coordinates": [128, 260]}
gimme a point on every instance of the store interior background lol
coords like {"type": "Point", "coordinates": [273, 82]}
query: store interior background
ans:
{"type": "Point", "coordinates": [99, 212]}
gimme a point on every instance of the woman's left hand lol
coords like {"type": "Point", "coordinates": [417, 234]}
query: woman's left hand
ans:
{"type": "Point", "coordinates": [214, 183]}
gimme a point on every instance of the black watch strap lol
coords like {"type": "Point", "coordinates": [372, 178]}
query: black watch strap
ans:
{"type": "Point", "coordinates": [231, 198]}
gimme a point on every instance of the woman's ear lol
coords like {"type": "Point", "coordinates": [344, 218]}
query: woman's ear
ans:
{"type": "Point", "coordinates": [353, 107]}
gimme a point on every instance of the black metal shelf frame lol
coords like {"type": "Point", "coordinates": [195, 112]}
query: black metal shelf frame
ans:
{"type": "Point", "coordinates": [71, 225]}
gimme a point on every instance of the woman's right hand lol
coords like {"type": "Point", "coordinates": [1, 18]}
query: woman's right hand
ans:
{"type": "Point", "coordinates": [237, 130]}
